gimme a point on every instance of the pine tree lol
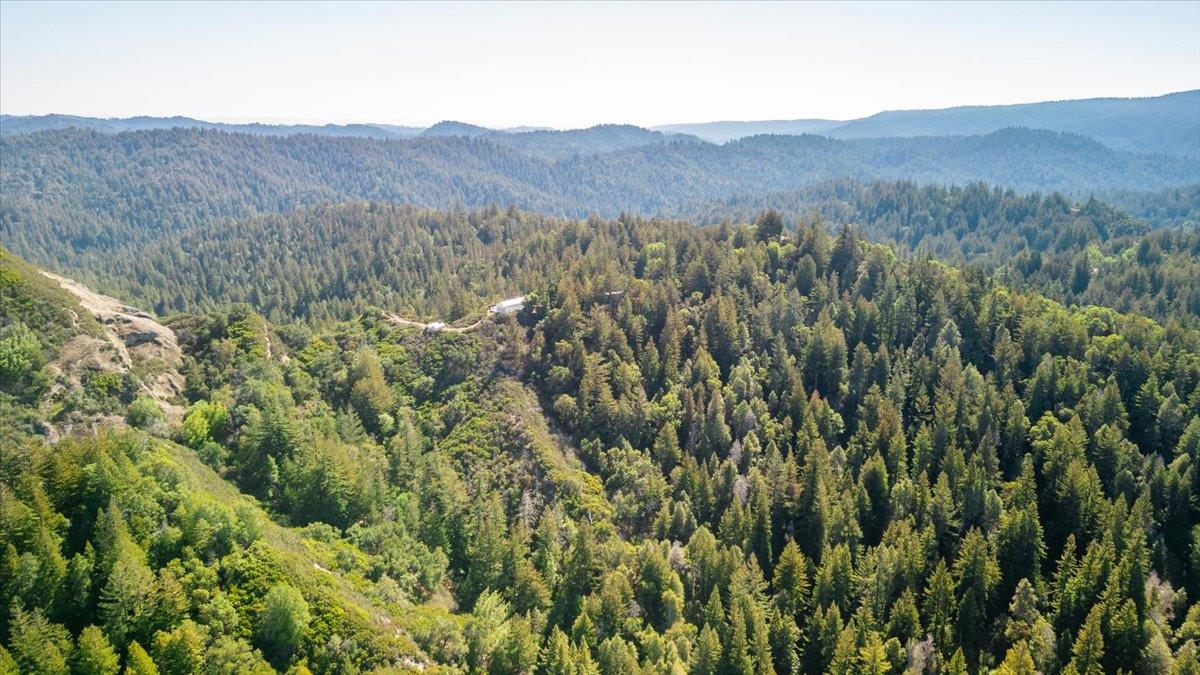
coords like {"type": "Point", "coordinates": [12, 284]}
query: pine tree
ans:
{"type": "Point", "coordinates": [138, 662]}
{"type": "Point", "coordinates": [584, 663]}
{"type": "Point", "coordinates": [94, 655]}
{"type": "Point", "coordinates": [957, 665]}
{"type": "Point", "coordinates": [76, 601]}
{"type": "Point", "coordinates": [370, 394]}
{"type": "Point", "coordinates": [738, 660]}
{"type": "Point", "coordinates": [1087, 653]}
{"type": "Point", "coordinates": [769, 226]}
{"type": "Point", "coordinates": [580, 578]}
{"type": "Point", "coordinates": [875, 487]}
{"type": "Point", "coordinates": [978, 575]}
{"type": "Point", "coordinates": [666, 447]}
{"type": "Point", "coordinates": [939, 606]}
{"type": "Point", "coordinates": [126, 601]}
{"type": "Point", "coordinates": [7, 663]}
{"type": "Point", "coordinates": [873, 658]}
{"type": "Point", "coordinates": [1019, 547]}
{"type": "Point", "coordinates": [812, 504]}
{"type": "Point", "coordinates": [1026, 625]}
{"type": "Point", "coordinates": [37, 645]}
{"type": "Point", "coordinates": [715, 436]}
{"type": "Point", "coordinates": [616, 657]}
{"type": "Point", "coordinates": [558, 657]}
{"type": "Point", "coordinates": [824, 629]}
{"type": "Point", "coordinates": [905, 621]}
{"type": "Point", "coordinates": [283, 623]}
{"type": "Point", "coordinates": [1125, 638]}
{"type": "Point", "coordinates": [785, 637]}
{"type": "Point", "coordinates": [791, 581]}
{"type": "Point", "coordinates": [834, 581]}
{"type": "Point", "coordinates": [845, 659]}
{"type": "Point", "coordinates": [170, 604]}
{"type": "Point", "coordinates": [181, 650]}
{"type": "Point", "coordinates": [1017, 661]}
{"type": "Point", "coordinates": [714, 610]}
{"type": "Point", "coordinates": [484, 630]}
{"type": "Point", "coordinates": [761, 542]}
{"type": "Point", "coordinates": [760, 640]}
{"type": "Point", "coordinates": [518, 649]}
{"type": "Point", "coordinates": [707, 655]}
{"type": "Point", "coordinates": [547, 548]}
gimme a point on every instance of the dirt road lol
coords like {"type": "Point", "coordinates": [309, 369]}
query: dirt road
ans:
{"type": "Point", "coordinates": [401, 321]}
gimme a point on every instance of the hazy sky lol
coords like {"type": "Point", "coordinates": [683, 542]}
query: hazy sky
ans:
{"type": "Point", "coordinates": [573, 65]}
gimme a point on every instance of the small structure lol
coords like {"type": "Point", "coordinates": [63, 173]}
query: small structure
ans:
{"type": "Point", "coordinates": [509, 306]}
{"type": "Point", "coordinates": [435, 326]}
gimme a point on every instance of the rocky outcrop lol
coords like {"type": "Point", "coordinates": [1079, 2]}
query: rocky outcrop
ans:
{"type": "Point", "coordinates": [133, 342]}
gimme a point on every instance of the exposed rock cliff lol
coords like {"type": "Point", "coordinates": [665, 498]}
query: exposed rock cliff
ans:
{"type": "Point", "coordinates": [134, 344]}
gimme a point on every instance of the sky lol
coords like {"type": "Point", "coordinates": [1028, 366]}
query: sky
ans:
{"type": "Point", "coordinates": [574, 65]}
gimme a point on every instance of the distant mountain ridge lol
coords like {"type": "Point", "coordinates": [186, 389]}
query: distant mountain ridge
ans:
{"type": "Point", "coordinates": [731, 130]}
{"type": "Point", "coordinates": [550, 143]}
{"type": "Point", "coordinates": [455, 128]}
{"type": "Point", "coordinates": [23, 124]}
{"type": "Point", "coordinates": [554, 145]}
{"type": "Point", "coordinates": [1168, 124]}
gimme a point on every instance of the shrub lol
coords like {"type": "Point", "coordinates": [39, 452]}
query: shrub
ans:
{"type": "Point", "coordinates": [143, 413]}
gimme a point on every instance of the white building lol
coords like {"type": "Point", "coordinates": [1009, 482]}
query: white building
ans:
{"type": "Point", "coordinates": [435, 326]}
{"type": "Point", "coordinates": [509, 306]}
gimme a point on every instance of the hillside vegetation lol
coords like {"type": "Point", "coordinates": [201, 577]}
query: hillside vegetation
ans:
{"type": "Point", "coordinates": [700, 450]}
{"type": "Point", "coordinates": [69, 193]}
{"type": "Point", "coordinates": [1077, 252]}
{"type": "Point", "coordinates": [336, 261]}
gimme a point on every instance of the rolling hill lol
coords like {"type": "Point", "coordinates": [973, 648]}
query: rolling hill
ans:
{"type": "Point", "coordinates": [1161, 124]}
{"type": "Point", "coordinates": [24, 124]}
{"type": "Point", "coordinates": [69, 194]}
{"type": "Point", "coordinates": [1168, 124]}
{"type": "Point", "coordinates": [722, 132]}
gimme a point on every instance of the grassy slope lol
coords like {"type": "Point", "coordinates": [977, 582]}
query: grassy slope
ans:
{"type": "Point", "coordinates": [40, 303]}
{"type": "Point", "coordinates": [310, 562]}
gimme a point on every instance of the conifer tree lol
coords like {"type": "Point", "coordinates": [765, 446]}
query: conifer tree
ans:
{"type": "Point", "coordinates": [94, 655]}
{"type": "Point", "coordinates": [1087, 652]}
{"type": "Point", "coordinates": [707, 655]}
{"type": "Point", "coordinates": [138, 662]}
{"type": "Point", "coordinates": [791, 581]}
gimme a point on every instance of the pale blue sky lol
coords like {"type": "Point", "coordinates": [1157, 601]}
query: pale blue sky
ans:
{"type": "Point", "coordinates": [573, 65]}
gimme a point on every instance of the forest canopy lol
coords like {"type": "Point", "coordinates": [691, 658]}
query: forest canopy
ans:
{"type": "Point", "coordinates": [741, 448]}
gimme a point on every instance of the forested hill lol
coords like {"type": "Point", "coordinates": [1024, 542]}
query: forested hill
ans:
{"type": "Point", "coordinates": [1084, 252]}
{"type": "Point", "coordinates": [700, 450]}
{"type": "Point", "coordinates": [63, 193]}
{"type": "Point", "coordinates": [25, 124]}
{"type": "Point", "coordinates": [333, 261]}
{"type": "Point", "coordinates": [552, 144]}
{"type": "Point", "coordinates": [595, 140]}
{"type": "Point", "coordinates": [337, 261]}
{"type": "Point", "coordinates": [1168, 124]}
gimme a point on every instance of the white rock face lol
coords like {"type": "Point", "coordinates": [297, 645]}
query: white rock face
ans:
{"type": "Point", "coordinates": [134, 341]}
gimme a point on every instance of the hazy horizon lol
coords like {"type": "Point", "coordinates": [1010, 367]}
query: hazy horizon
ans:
{"type": "Point", "coordinates": [574, 66]}
{"type": "Point", "coordinates": [285, 121]}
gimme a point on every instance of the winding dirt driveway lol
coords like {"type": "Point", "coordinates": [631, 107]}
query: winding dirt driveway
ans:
{"type": "Point", "coordinates": [401, 321]}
